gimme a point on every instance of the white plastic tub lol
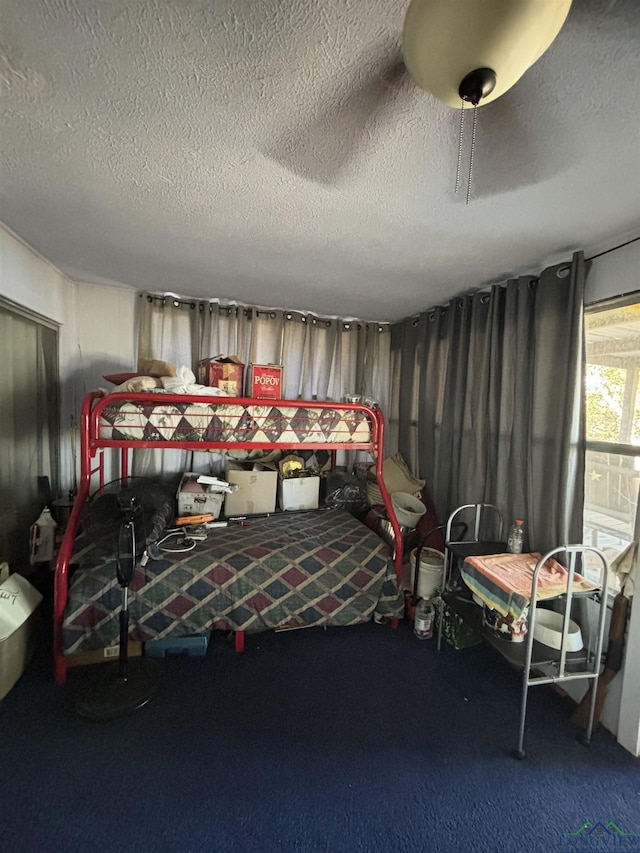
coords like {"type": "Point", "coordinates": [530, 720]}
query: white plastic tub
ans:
{"type": "Point", "coordinates": [430, 571]}
{"type": "Point", "coordinates": [409, 510]}
{"type": "Point", "coordinates": [548, 630]}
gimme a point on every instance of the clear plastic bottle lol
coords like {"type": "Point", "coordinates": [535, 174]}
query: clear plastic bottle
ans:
{"type": "Point", "coordinates": [424, 619]}
{"type": "Point", "coordinates": [516, 537]}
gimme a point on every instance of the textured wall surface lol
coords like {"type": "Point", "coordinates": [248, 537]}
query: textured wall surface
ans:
{"type": "Point", "coordinates": [277, 152]}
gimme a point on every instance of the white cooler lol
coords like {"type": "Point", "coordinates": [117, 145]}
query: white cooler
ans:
{"type": "Point", "coordinates": [19, 601]}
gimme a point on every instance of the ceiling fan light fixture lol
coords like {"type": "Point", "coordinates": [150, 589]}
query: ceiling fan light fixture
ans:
{"type": "Point", "coordinates": [445, 41]}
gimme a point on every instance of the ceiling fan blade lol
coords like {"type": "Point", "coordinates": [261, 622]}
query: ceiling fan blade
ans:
{"type": "Point", "coordinates": [325, 147]}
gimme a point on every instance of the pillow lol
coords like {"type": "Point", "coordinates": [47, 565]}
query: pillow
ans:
{"type": "Point", "coordinates": [119, 378]}
{"type": "Point", "coordinates": [156, 367]}
{"type": "Point", "coordinates": [146, 367]}
{"type": "Point", "coordinates": [138, 383]}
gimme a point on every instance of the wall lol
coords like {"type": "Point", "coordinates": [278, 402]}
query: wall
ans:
{"type": "Point", "coordinates": [97, 327]}
{"type": "Point", "coordinates": [29, 280]}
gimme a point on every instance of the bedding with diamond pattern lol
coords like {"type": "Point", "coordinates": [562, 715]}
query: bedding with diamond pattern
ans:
{"type": "Point", "coordinates": [232, 423]}
{"type": "Point", "coordinates": [288, 570]}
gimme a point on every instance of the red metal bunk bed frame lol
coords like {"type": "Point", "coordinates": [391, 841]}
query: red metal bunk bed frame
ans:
{"type": "Point", "coordinates": [92, 446]}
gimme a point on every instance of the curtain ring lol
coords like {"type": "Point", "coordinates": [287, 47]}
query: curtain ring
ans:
{"type": "Point", "coordinates": [432, 316]}
{"type": "Point", "coordinates": [415, 321]}
{"type": "Point", "coordinates": [347, 326]}
{"type": "Point", "coordinates": [564, 271]}
{"type": "Point", "coordinates": [149, 298]}
{"type": "Point", "coordinates": [533, 282]}
{"type": "Point", "coordinates": [328, 324]}
{"type": "Point", "coordinates": [288, 316]}
{"type": "Point", "coordinates": [485, 298]}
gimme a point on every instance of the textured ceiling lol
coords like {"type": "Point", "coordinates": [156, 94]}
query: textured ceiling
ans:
{"type": "Point", "coordinates": [277, 153]}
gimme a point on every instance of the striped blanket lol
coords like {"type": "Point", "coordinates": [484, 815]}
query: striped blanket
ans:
{"type": "Point", "coordinates": [503, 581]}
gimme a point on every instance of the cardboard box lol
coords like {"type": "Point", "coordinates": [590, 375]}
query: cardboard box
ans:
{"type": "Point", "coordinates": [110, 653]}
{"type": "Point", "coordinates": [257, 489]}
{"type": "Point", "coordinates": [299, 493]}
{"type": "Point", "coordinates": [196, 498]}
{"type": "Point", "coordinates": [19, 601]}
{"type": "Point", "coordinates": [265, 380]}
{"type": "Point", "coordinates": [224, 372]}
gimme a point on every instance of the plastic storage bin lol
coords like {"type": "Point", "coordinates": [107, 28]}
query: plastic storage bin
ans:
{"type": "Point", "coordinates": [194, 646]}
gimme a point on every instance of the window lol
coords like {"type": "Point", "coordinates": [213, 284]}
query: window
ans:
{"type": "Point", "coordinates": [612, 389]}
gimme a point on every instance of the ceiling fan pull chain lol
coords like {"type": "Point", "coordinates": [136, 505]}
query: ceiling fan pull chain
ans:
{"type": "Point", "coordinates": [473, 148]}
{"type": "Point", "coordinates": [460, 147]}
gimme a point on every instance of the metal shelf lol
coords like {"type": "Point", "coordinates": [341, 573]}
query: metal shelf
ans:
{"type": "Point", "coordinates": [514, 653]}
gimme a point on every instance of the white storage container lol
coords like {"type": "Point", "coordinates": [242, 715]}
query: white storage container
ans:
{"type": "Point", "coordinates": [430, 571]}
{"type": "Point", "coordinates": [299, 493]}
{"type": "Point", "coordinates": [548, 630]}
{"type": "Point", "coordinates": [409, 510]}
{"type": "Point", "coordinates": [19, 601]}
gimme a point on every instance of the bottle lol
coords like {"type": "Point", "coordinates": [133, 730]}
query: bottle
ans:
{"type": "Point", "coordinates": [424, 619]}
{"type": "Point", "coordinates": [43, 537]}
{"type": "Point", "coordinates": [516, 537]}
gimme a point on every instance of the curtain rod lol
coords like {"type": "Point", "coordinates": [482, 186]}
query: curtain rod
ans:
{"type": "Point", "coordinates": [613, 249]}
{"type": "Point", "coordinates": [250, 310]}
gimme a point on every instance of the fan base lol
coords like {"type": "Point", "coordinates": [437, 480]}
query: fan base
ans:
{"type": "Point", "coordinates": [103, 695]}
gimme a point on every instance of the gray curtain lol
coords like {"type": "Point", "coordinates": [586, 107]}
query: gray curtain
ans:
{"type": "Point", "coordinates": [29, 427]}
{"type": "Point", "coordinates": [323, 357]}
{"type": "Point", "coordinates": [489, 403]}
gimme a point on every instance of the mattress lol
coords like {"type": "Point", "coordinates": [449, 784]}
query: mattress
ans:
{"type": "Point", "coordinates": [232, 423]}
{"type": "Point", "coordinates": [288, 570]}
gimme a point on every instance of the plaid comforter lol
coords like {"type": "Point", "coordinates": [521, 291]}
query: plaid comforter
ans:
{"type": "Point", "coordinates": [288, 570]}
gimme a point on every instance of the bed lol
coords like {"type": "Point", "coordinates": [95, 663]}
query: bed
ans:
{"type": "Point", "coordinates": [321, 567]}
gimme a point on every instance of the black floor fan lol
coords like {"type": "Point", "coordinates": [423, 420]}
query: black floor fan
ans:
{"type": "Point", "coordinates": [122, 518]}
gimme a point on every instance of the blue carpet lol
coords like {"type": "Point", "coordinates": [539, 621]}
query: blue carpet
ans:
{"type": "Point", "coordinates": [349, 739]}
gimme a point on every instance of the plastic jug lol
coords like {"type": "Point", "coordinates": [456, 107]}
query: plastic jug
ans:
{"type": "Point", "coordinates": [42, 538]}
